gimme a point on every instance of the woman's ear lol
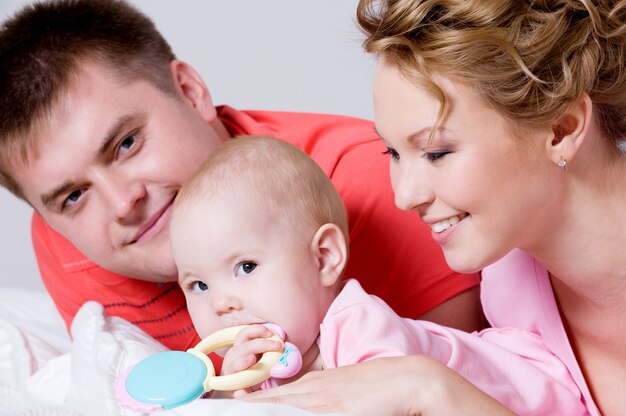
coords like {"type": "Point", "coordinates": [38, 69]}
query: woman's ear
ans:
{"type": "Point", "coordinates": [330, 248]}
{"type": "Point", "coordinates": [570, 130]}
{"type": "Point", "coordinates": [193, 90]}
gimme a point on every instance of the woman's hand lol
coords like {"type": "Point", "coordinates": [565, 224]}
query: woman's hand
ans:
{"type": "Point", "coordinates": [413, 385]}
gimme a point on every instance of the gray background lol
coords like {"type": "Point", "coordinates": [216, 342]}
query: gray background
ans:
{"type": "Point", "coordinates": [299, 55]}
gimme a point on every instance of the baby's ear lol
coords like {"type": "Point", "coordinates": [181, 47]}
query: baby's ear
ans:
{"type": "Point", "coordinates": [329, 247]}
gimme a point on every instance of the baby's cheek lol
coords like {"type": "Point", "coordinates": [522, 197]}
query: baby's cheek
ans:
{"type": "Point", "coordinates": [201, 322]}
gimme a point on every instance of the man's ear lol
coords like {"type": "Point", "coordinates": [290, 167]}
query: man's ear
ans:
{"type": "Point", "coordinates": [329, 247]}
{"type": "Point", "coordinates": [570, 130]}
{"type": "Point", "coordinates": [193, 90]}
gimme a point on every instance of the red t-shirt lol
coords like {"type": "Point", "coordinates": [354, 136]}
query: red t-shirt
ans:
{"type": "Point", "coordinates": [391, 252]}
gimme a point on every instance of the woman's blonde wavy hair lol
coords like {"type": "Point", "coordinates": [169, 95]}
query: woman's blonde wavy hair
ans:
{"type": "Point", "coordinates": [529, 59]}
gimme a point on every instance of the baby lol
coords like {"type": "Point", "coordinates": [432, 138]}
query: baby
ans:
{"type": "Point", "coordinates": [259, 234]}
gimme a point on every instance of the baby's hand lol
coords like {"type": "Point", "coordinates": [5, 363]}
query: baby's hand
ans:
{"type": "Point", "coordinates": [249, 344]}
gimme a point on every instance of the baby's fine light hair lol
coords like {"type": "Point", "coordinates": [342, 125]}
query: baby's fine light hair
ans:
{"type": "Point", "coordinates": [528, 58]}
{"type": "Point", "coordinates": [286, 179]}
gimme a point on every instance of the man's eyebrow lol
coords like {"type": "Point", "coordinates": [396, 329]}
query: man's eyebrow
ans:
{"type": "Point", "coordinates": [47, 199]}
{"type": "Point", "coordinates": [115, 131]}
{"type": "Point", "coordinates": [120, 126]}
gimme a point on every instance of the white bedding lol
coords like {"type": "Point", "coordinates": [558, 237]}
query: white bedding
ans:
{"type": "Point", "coordinates": [43, 372]}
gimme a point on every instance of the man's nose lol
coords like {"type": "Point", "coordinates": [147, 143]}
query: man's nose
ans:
{"type": "Point", "coordinates": [411, 188]}
{"type": "Point", "coordinates": [121, 195]}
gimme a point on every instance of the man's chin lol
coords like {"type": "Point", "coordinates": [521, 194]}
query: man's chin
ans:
{"type": "Point", "coordinates": [158, 276]}
{"type": "Point", "coordinates": [152, 270]}
{"type": "Point", "coordinates": [151, 273]}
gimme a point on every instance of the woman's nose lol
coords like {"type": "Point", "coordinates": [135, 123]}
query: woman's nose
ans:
{"type": "Point", "coordinates": [411, 188]}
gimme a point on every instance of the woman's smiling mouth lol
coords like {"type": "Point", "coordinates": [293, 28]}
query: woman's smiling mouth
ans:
{"type": "Point", "coordinates": [441, 226]}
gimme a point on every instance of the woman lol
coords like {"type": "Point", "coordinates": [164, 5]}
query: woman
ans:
{"type": "Point", "coordinates": [506, 124]}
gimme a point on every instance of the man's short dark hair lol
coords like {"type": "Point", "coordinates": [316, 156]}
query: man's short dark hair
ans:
{"type": "Point", "coordinates": [41, 47]}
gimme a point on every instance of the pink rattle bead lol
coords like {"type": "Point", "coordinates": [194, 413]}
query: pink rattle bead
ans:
{"type": "Point", "coordinates": [290, 362]}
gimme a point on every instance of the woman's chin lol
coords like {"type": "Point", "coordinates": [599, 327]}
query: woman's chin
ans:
{"type": "Point", "coordinates": [463, 263]}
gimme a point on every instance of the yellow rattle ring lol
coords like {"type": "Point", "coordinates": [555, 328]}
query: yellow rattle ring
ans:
{"type": "Point", "coordinates": [236, 381]}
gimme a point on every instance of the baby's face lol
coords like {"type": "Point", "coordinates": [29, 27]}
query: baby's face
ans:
{"type": "Point", "coordinates": [239, 264]}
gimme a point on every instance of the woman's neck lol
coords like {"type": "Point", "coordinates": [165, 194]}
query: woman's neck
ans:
{"type": "Point", "coordinates": [583, 237]}
{"type": "Point", "coordinates": [585, 256]}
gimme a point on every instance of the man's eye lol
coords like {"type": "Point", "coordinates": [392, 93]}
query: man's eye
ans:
{"type": "Point", "coordinates": [199, 286]}
{"type": "Point", "coordinates": [128, 143]}
{"type": "Point", "coordinates": [434, 156]}
{"type": "Point", "coordinates": [72, 199]}
{"type": "Point", "coordinates": [392, 152]}
{"type": "Point", "coordinates": [245, 268]}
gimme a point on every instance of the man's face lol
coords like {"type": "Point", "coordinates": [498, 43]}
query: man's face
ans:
{"type": "Point", "coordinates": [111, 157]}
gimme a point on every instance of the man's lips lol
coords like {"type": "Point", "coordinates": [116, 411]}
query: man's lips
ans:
{"type": "Point", "coordinates": [154, 224]}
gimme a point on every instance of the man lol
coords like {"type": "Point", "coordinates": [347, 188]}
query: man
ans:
{"type": "Point", "coordinates": [101, 125]}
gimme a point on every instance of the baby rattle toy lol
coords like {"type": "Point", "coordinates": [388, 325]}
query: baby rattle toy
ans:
{"type": "Point", "coordinates": [172, 378]}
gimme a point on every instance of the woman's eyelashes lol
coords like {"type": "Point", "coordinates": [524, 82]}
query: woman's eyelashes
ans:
{"type": "Point", "coordinates": [392, 153]}
{"type": "Point", "coordinates": [434, 156]}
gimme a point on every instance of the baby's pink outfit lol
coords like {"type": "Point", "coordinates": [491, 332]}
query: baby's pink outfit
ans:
{"type": "Point", "coordinates": [529, 374]}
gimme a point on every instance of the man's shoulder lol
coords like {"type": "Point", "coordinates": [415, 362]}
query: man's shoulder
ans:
{"type": "Point", "coordinates": [51, 246]}
{"type": "Point", "coordinates": [327, 138]}
{"type": "Point", "coordinates": [296, 127]}
{"type": "Point", "coordinates": [297, 117]}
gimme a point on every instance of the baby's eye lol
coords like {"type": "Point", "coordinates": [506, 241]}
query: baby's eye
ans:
{"type": "Point", "coordinates": [392, 152]}
{"type": "Point", "coordinates": [245, 268]}
{"type": "Point", "coordinates": [198, 286]}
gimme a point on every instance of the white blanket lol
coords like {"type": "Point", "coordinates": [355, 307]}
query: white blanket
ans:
{"type": "Point", "coordinates": [43, 372]}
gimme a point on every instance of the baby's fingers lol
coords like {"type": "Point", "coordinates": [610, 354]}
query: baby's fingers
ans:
{"type": "Point", "coordinates": [252, 332]}
{"type": "Point", "coordinates": [245, 355]}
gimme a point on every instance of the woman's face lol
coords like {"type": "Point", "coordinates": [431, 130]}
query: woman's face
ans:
{"type": "Point", "coordinates": [482, 189]}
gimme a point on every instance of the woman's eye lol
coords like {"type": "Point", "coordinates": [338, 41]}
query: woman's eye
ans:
{"type": "Point", "coordinates": [199, 286]}
{"type": "Point", "coordinates": [434, 156]}
{"type": "Point", "coordinates": [245, 268]}
{"type": "Point", "coordinates": [392, 152]}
